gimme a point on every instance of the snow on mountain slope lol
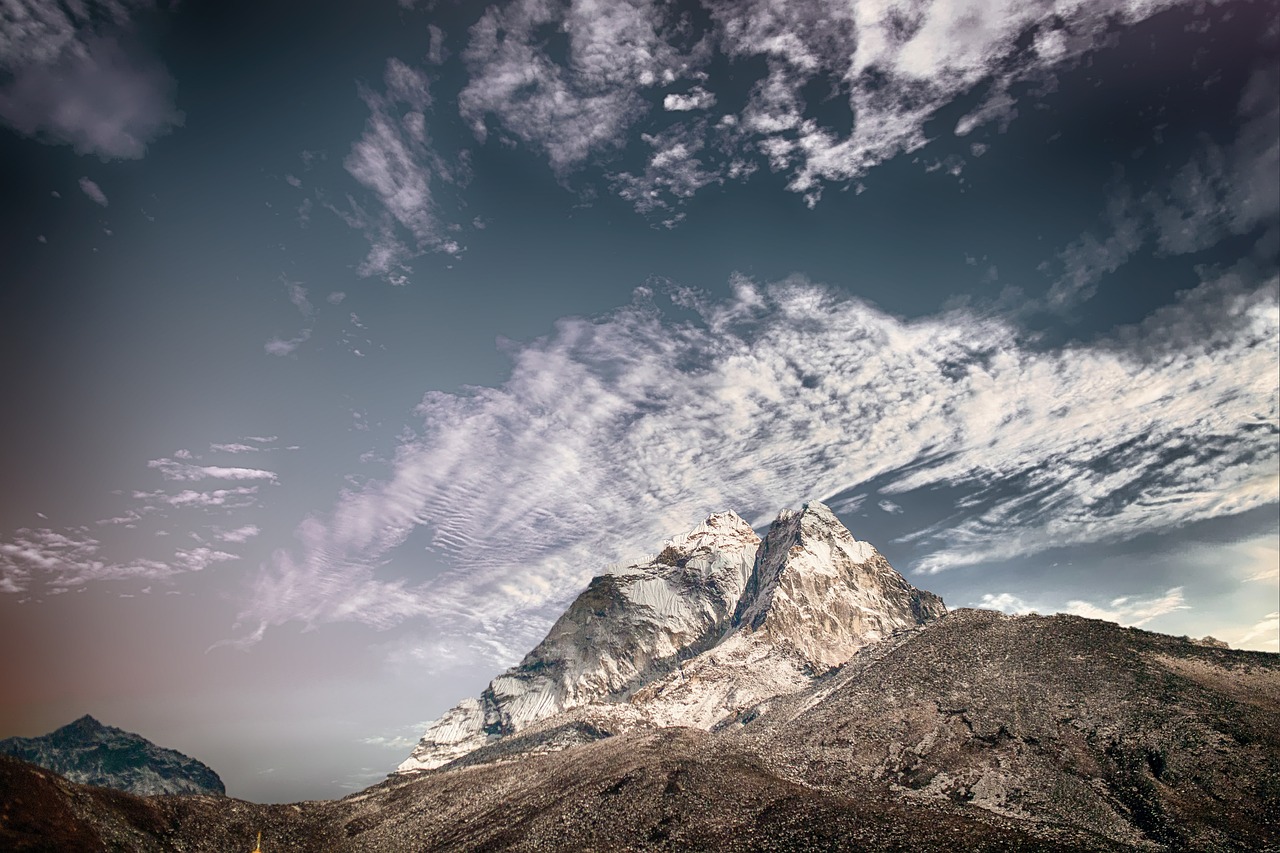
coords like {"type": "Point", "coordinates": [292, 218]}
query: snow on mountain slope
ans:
{"type": "Point", "coordinates": [629, 626]}
{"type": "Point", "coordinates": [815, 597]}
{"type": "Point", "coordinates": [710, 628]}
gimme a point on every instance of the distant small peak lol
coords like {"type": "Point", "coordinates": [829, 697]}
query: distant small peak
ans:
{"type": "Point", "coordinates": [87, 721]}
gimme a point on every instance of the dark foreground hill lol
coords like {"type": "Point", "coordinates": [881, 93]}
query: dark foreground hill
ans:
{"type": "Point", "coordinates": [978, 732]}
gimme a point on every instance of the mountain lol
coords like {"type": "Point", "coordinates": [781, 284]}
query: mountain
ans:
{"type": "Point", "coordinates": [86, 751]}
{"type": "Point", "coordinates": [978, 732]}
{"type": "Point", "coordinates": [628, 627]}
{"type": "Point", "coordinates": [715, 623]}
{"type": "Point", "coordinates": [794, 693]}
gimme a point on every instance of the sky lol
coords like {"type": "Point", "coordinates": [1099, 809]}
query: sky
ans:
{"type": "Point", "coordinates": [343, 345]}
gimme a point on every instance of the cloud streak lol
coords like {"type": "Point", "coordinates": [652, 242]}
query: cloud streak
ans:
{"type": "Point", "coordinates": [612, 433]}
{"type": "Point", "coordinates": [396, 160]}
{"type": "Point", "coordinates": [182, 471]}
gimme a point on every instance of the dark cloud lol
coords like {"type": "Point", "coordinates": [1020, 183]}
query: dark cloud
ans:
{"type": "Point", "coordinates": [70, 79]}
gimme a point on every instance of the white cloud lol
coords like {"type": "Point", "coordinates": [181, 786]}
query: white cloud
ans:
{"type": "Point", "coordinates": [673, 173]}
{"type": "Point", "coordinates": [1130, 611]}
{"type": "Point", "coordinates": [234, 447]}
{"type": "Point", "coordinates": [896, 63]}
{"type": "Point", "coordinates": [93, 191]}
{"type": "Point", "coordinates": [1007, 602]}
{"type": "Point", "coordinates": [172, 469]}
{"type": "Point", "coordinates": [66, 559]}
{"type": "Point", "coordinates": [574, 109]}
{"type": "Point", "coordinates": [69, 77]}
{"type": "Point", "coordinates": [199, 559]}
{"type": "Point", "coordinates": [240, 534]}
{"type": "Point", "coordinates": [696, 98]}
{"type": "Point", "coordinates": [1264, 635]}
{"type": "Point", "coordinates": [396, 160]}
{"type": "Point", "coordinates": [615, 432]}
{"type": "Point", "coordinates": [282, 347]}
{"type": "Point", "coordinates": [234, 498]}
{"type": "Point", "coordinates": [1127, 610]}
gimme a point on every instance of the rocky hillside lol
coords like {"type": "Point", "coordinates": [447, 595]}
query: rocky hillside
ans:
{"type": "Point", "coordinates": [794, 693]}
{"type": "Point", "coordinates": [979, 732]}
{"type": "Point", "coordinates": [87, 751]}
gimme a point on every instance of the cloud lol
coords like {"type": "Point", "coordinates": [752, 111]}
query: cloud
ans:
{"type": "Point", "coordinates": [1263, 635]}
{"type": "Point", "coordinates": [574, 79]}
{"type": "Point", "coordinates": [69, 78]}
{"type": "Point", "coordinates": [199, 559]}
{"type": "Point", "coordinates": [234, 498]}
{"type": "Point", "coordinates": [93, 191]}
{"type": "Point", "coordinates": [234, 447]}
{"type": "Point", "coordinates": [240, 534]}
{"type": "Point", "coordinates": [298, 296]}
{"type": "Point", "coordinates": [282, 347]}
{"type": "Point", "coordinates": [172, 469]}
{"type": "Point", "coordinates": [614, 432]}
{"type": "Point", "coordinates": [674, 172]}
{"type": "Point", "coordinates": [696, 98]}
{"type": "Point", "coordinates": [1127, 610]}
{"type": "Point", "coordinates": [66, 559]}
{"type": "Point", "coordinates": [572, 106]}
{"type": "Point", "coordinates": [1222, 191]}
{"type": "Point", "coordinates": [396, 160]}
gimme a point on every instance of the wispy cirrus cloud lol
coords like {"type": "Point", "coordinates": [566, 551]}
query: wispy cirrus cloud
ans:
{"type": "Point", "coordinates": [396, 160]}
{"type": "Point", "coordinates": [75, 74]}
{"type": "Point", "coordinates": [184, 471]}
{"type": "Point", "coordinates": [612, 433]}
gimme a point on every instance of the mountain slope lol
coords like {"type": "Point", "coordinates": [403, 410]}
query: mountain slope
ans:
{"type": "Point", "coordinates": [977, 732]}
{"type": "Point", "coordinates": [87, 751]}
{"type": "Point", "coordinates": [1150, 741]}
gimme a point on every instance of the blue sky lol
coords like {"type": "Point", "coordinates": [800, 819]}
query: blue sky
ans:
{"type": "Point", "coordinates": [343, 348]}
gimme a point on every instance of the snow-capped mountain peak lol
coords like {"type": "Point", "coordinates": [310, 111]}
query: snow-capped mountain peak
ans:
{"type": "Point", "coordinates": [824, 594]}
{"type": "Point", "coordinates": [631, 625]}
{"type": "Point", "coordinates": [715, 623]}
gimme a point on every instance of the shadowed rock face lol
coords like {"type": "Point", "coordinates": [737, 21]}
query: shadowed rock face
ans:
{"type": "Point", "coordinates": [977, 732]}
{"type": "Point", "coordinates": [89, 752]}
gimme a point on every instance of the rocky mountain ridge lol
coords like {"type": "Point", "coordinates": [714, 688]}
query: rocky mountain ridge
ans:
{"type": "Point", "coordinates": [717, 622]}
{"type": "Point", "coordinates": [89, 752]}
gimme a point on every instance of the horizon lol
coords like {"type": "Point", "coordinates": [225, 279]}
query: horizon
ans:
{"type": "Point", "coordinates": [338, 370]}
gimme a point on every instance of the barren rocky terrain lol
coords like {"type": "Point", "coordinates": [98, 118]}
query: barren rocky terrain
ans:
{"type": "Point", "coordinates": [978, 732]}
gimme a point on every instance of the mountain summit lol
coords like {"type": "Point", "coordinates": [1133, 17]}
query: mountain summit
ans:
{"type": "Point", "coordinates": [715, 623]}
{"type": "Point", "coordinates": [95, 754]}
